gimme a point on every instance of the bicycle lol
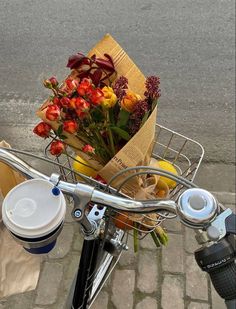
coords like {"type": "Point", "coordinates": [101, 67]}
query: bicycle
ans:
{"type": "Point", "coordinates": [104, 243]}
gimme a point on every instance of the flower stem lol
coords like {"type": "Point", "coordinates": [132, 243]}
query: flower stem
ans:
{"type": "Point", "coordinates": [155, 239]}
{"type": "Point", "coordinates": [111, 140]}
{"type": "Point", "coordinates": [83, 138]}
{"type": "Point", "coordinates": [100, 139]}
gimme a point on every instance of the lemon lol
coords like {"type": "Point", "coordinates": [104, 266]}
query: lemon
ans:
{"type": "Point", "coordinates": [83, 169]}
{"type": "Point", "coordinates": [169, 168]}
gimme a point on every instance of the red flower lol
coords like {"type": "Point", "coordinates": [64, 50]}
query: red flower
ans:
{"type": "Point", "coordinates": [72, 102]}
{"type": "Point", "coordinates": [57, 148]}
{"type": "Point", "coordinates": [65, 102]}
{"type": "Point", "coordinates": [88, 149]}
{"type": "Point", "coordinates": [42, 129]}
{"type": "Point", "coordinates": [84, 87]}
{"type": "Point", "coordinates": [70, 126]}
{"type": "Point", "coordinates": [80, 103]}
{"type": "Point", "coordinates": [51, 82]}
{"type": "Point", "coordinates": [52, 112]}
{"type": "Point", "coordinates": [81, 107]}
{"type": "Point", "coordinates": [72, 83]}
{"type": "Point", "coordinates": [96, 96]}
{"type": "Point", "coordinates": [56, 101]}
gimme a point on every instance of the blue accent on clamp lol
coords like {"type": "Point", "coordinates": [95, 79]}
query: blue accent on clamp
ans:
{"type": "Point", "coordinates": [56, 191]}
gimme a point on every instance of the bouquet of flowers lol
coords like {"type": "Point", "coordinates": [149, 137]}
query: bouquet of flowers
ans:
{"type": "Point", "coordinates": [103, 115]}
{"type": "Point", "coordinates": [105, 110]}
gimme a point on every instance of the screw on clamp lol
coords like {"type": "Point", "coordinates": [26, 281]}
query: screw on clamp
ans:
{"type": "Point", "coordinates": [77, 213]}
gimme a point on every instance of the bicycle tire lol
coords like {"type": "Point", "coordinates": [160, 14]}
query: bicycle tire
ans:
{"type": "Point", "coordinates": [95, 267]}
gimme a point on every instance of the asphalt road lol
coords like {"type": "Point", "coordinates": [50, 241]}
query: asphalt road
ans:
{"type": "Point", "coordinates": [188, 43]}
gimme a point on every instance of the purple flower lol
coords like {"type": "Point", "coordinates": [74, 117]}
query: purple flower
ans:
{"type": "Point", "coordinates": [140, 109]}
{"type": "Point", "coordinates": [120, 86]}
{"type": "Point", "coordinates": [137, 116]}
{"type": "Point", "coordinates": [152, 87]}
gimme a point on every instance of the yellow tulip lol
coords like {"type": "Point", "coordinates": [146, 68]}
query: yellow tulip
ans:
{"type": "Point", "coordinates": [110, 98]}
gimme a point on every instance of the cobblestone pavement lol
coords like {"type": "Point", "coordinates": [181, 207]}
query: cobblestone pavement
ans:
{"type": "Point", "coordinates": [167, 278]}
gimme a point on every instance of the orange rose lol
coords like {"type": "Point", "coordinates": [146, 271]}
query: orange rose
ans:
{"type": "Point", "coordinates": [129, 101]}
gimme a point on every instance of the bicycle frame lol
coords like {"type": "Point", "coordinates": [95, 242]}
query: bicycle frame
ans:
{"type": "Point", "coordinates": [86, 269]}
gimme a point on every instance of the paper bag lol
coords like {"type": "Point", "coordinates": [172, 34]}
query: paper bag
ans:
{"type": "Point", "coordinates": [19, 270]}
{"type": "Point", "coordinates": [135, 153]}
{"type": "Point", "coordinates": [8, 177]}
{"type": "Point", "coordinates": [138, 150]}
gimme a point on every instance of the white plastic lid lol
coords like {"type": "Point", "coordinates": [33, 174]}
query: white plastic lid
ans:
{"type": "Point", "coordinates": [31, 210]}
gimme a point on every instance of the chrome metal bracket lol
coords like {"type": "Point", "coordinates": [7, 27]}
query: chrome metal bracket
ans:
{"type": "Point", "coordinates": [82, 196]}
{"type": "Point", "coordinates": [96, 213]}
{"type": "Point", "coordinates": [55, 179]}
{"type": "Point", "coordinates": [217, 229]}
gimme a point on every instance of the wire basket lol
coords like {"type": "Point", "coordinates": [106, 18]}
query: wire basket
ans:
{"type": "Point", "coordinates": [183, 153]}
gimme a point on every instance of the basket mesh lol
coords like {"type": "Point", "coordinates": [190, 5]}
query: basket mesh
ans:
{"type": "Point", "coordinates": [183, 153]}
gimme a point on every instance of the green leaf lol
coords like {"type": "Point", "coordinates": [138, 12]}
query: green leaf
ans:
{"type": "Point", "coordinates": [145, 117]}
{"type": "Point", "coordinates": [97, 115]}
{"type": "Point", "coordinates": [123, 118]}
{"type": "Point", "coordinates": [111, 115]}
{"type": "Point", "coordinates": [154, 104]}
{"type": "Point", "coordinates": [63, 136]}
{"type": "Point", "coordinates": [122, 133]}
{"type": "Point", "coordinates": [59, 130]}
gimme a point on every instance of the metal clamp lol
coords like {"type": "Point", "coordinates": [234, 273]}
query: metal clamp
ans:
{"type": "Point", "coordinates": [55, 179]}
{"type": "Point", "coordinates": [217, 229]}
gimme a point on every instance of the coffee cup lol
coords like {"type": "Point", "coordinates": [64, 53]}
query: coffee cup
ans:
{"type": "Point", "coordinates": [34, 215]}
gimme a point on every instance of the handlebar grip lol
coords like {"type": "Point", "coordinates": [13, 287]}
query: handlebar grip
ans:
{"type": "Point", "coordinates": [218, 260]}
{"type": "Point", "coordinates": [224, 280]}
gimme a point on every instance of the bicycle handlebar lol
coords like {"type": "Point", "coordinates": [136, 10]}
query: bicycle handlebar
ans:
{"type": "Point", "coordinates": [196, 207]}
{"type": "Point", "coordinates": [87, 191]}
{"type": "Point", "coordinates": [187, 210]}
